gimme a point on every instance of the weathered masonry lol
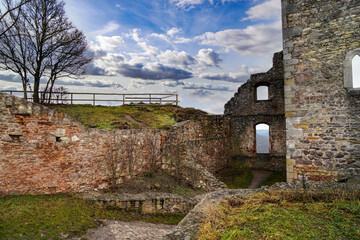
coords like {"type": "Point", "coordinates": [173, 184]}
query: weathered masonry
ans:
{"type": "Point", "coordinates": [45, 151]}
{"type": "Point", "coordinates": [322, 98]}
{"type": "Point", "coordinates": [259, 101]}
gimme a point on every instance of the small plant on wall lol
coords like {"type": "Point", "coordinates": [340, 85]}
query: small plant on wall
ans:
{"type": "Point", "coordinates": [114, 162]}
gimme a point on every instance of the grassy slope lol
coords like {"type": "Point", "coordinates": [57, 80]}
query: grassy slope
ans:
{"type": "Point", "coordinates": [144, 115]}
{"type": "Point", "coordinates": [269, 216]}
{"type": "Point", "coordinates": [53, 216]}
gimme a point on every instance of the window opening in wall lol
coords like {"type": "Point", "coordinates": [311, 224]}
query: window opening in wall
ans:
{"type": "Point", "coordinates": [58, 139]}
{"type": "Point", "coordinates": [262, 138]}
{"type": "Point", "coordinates": [356, 71]}
{"type": "Point", "coordinates": [15, 138]}
{"type": "Point", "coordinates": [262, 93]}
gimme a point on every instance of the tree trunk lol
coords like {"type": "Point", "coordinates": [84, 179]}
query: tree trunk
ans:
{"type": "Point", "coordinates": [36, 98]}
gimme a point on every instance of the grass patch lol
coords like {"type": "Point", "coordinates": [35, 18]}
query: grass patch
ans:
{"type": "Point", "coordinates": [155, 182]}
{"type": "Point", "coordinates": [276, 176]}
{"type": "Point", "coordinates": [281, 216]}
{"type": "Point", "coordinates": [236, 175]}
{"type": "Point", "coordinates": [186, 191]}
{"type": "Point", "coordinates": [52, 216]}
{"type": "Point", "coordinates": [135, 116]}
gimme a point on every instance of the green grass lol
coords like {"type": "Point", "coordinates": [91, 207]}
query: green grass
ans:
{"type": "Point", "coordinates": [267, 216]}
{"type": "Point", "coordinates": [50, 216]}
{"type": "Point", "coordinates": [186, 191]}
{"type": "Point", "coordinates": [276, 176]}
{"type": "Point", "coordinates": [117, 117]}
{"type": "Point", "coordinates": [236, 175]}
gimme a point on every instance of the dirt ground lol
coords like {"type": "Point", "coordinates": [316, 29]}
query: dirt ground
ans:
{"type": "Point", "coordinates": [118, 230]}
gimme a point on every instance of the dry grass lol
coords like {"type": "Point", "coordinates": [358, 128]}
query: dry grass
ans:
{"type": "Point", "coordinates": [285, 215]}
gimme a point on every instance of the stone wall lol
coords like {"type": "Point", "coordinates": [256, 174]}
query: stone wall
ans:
{"type": "Point", "coordinates": [195, 145]}
{"type": "Point", "coordinates": [145, 202]}
{"type": "Point", "coordinates": [42, 150]}
{"type": "Point", "coordinates": [322, 116]}
{"type": "Point", "coordinates": [244, 112]}
{"type": "Point", "coordinates": [45, 151]}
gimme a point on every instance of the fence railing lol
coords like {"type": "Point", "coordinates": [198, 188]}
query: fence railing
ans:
{"type": "Point", "coordinates": [93, 98]}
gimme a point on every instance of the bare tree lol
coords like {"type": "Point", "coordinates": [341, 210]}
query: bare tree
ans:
{"type": "Point", "coordinates": [42, 43]}
{"type": "Point", "coordinates": [13, 56]}
{"type": "Point", "coordinates": [69, 60]}
{"type": "Point", "coordinates": [10, 6]}
{"type": "Point", "coordinates": [58, 95]}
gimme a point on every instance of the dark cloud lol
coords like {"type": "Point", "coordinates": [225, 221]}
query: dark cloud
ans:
{"type": "Point", "coordinates": [82, 83]}
{"type": "Point", "coordinates": [146, 82]}
{"type": "Point", "coordinates": [10, 88]}
{"type": "Point", "coordinates": [100, 84]}
{"type": "Point", "coordinates": [206, 87]}
{"type": "Point", "coordinates": [237, 78]}
{"type": "Point", "coordinates": [10, 78]}
{"type": "Point", "coordinates": [173, 83]}
{"type": "Point", "coordinates": [201, 93]}
{"type": "Point", "coordinates": [154, 72]}
{"type": "Point", "coordinates": [70, 83]}
{"type": "Point", "coordinates": [91, 69]}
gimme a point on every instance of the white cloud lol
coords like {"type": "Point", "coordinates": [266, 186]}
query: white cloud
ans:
{"type": "Point", "coordinates": [241, 76]}
{"type": "Point", "coordinates": [208, 58]}
{"type": "Point", "coordinates": [119, 6]}
{"type": "Point", "coordinates": [110, 27]}
{"type": "Point", "coordinates": [224, 1]}
{"type": "Point", "coordinates": [149, 50]}
{"type": "Point", "coordinates": [175, 57]}
{"type": "Point", "coordinates": [108, 44]}
{"type": "Point", "coordinates": [109, 63]}
{"type": "Point", "coordinates": [181, 40]}
{"type": "Point", "coordinates": [205, 87]}
{"type": "Point", "coordinates": [161, 36]}
{"type": "Point", "coordinates": [173, 31]}
{"type": "Point", "coordinates": [267, 10]}
{"type": "Point", "coordinates": [260, 39]}
{"type": "Point", "coordinates": [186, 3]}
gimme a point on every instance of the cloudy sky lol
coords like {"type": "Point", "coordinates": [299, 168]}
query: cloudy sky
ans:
{"type": "Point", "coordinates": [201, 49]}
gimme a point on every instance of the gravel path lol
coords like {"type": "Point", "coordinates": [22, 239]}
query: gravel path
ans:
{"type": "Point", "coordinates": [118, 230]}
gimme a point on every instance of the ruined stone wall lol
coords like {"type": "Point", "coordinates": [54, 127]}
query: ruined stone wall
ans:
{"type": "Point", "coordinates": [45, 151]}
{"type": "Point", "coordinates": [197, 149]}
{"type": "Point", "coordinates": [202, 140]}
{"type": "Point", "coordinates": [244, 102]}
{"type": "Point", "coordinates": [323, 125]}
{"type": "Point", "coordinates": [244, 112]}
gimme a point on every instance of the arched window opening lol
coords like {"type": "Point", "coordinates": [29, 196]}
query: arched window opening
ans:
{"type": "Point", "coordinates": [262, 93]}
{"type": "Point", "coordinates": [356, 71]}
{"type": "Point", "coordinates": [352, 70]}
{"type": "Point", "coordinates": [262, 138]}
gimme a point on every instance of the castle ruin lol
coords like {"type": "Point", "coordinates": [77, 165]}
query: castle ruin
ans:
{"type": "Point", "coordinates": [312, 110]}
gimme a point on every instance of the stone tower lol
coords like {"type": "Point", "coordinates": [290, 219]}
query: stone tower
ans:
{"type": "Point", "coordinates": [322, 104]}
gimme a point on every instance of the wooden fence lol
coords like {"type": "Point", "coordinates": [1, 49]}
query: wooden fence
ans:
{"type": "Point", "coordinates": [93, 98]}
